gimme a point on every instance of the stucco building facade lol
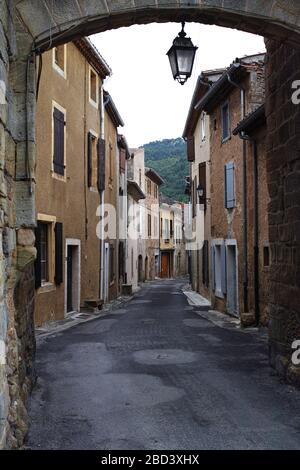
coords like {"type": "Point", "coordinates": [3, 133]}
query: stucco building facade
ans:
{"type": "Point", "coordinates": [152, 186]}
{"type": "Point", "coordinates": [238, 92]}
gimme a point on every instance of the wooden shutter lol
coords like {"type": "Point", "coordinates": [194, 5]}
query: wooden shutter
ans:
{"type": "Point", "coordinates": [213, 268]}
{"type": "Point", "coordinates": [58, 253]}
{"type": "Point", "coordinates": [205, 264]}
{"type": "Point", "coordinates": [122, 154]}
{"type": "Point", "coordinates": [101, 165]}
{"type": "Point", "coordinates": [59, 142]}
{"type": "Point", "coordinates": [229, 186]}
{"type": "Point", "coordinates": [89, 160]}
{"type": "Point", "coordinates": [37, 264]}
{"type": "Point", "coordinates": [194, 197]}
{"type": "Point", "coordinates": [202, 182]}
{"type": "Point", "coordinates": [191, 149]}
{"type": "Point", "coordinates": [223, 269]}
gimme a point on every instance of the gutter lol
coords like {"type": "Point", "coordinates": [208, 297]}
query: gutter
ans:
{"type": "Point", "coordinates": [218, 86]}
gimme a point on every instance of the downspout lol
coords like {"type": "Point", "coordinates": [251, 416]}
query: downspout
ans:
{"type": "Point", "coordinates": [255, 225]}
{"type": "Point", "coordinates": [245, 202]}
{"type": "Point", "coordinates": [102, 136]}
{"type": "Point", "coordinates": [102, 195]}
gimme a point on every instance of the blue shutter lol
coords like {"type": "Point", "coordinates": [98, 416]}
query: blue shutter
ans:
{"type": "Point", "coordinates": [229, 186]}
{"type": "Point", "coordinates": [223, 270]}
{"type": "Point", "coordinates": [213, 267]}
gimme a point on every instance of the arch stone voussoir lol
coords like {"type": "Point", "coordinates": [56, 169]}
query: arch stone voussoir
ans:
{"type": "Point", "coordinates": [58, 21]}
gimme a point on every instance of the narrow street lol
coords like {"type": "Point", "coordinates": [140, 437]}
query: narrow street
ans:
{"type": "Point", "coordinates": [155, 375]}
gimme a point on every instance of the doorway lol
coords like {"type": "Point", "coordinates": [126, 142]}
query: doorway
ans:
{"type": "Point", "coordinates": [232, 279]}
{"type": "Point", "coordinates": [140, 269]}
{"type": "Point", "coordinates": [146, 269]}
{"type": "Point", "coordinates": [165, 265]}
{"type": "Point", "coordinates": [72, 280]}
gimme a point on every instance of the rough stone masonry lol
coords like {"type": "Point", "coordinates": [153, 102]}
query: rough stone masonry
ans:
{"type": "Point", "coordinates": [17, 250]}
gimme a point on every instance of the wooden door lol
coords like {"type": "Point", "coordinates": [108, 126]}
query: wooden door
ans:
{"type": "Point", "coordinates": [165, 265]}
{"type": "Point", "coordinates": [70, 279]}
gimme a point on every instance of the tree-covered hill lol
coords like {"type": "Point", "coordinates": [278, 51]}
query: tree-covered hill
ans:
{"type": "Point", "coordinates": [168, 158]}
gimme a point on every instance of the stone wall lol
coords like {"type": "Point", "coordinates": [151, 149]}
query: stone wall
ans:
{"type": "Point", "coordinates": [283, 173]}
{"type": "Point", "coordinates": [16, 221]}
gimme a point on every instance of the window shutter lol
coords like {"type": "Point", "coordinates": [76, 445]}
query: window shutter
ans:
{"type": "Point", "coordinates": [229, 186]}
{"type": "Point", "coordinates": [89, 159]}
{"type": "Point", "coordinates": [59, 142]}
{"type": "Point", "coordinates": [122, 160]}
{"type": "Point", "coordinates": [194, 202]}
{"type": "Point", "coordinates": [37, 264]}
{"type": "Point", "coordinates": [191, 149]}
{"type": "Point", "coordinates": [202, 182]}
{"type": "Point", "coordinates": [213, 268]}
{"type": "Point", "coordinates": [223, 269]}
{"type": "Point", "coordinates": [205, 267]}
{"type": "Point", "coordinates": [101, 164]}
{"type": "Point", "coordinates": [58, 253]}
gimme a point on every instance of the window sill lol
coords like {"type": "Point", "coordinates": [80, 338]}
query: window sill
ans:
{"type": "Point", "coordinates": [94, 103]}
{"type": "Point", "coordinates": [93, 189]}
{"type": "Point", "coordinates": [46, 287]}
{"type": "Point", "coordinates": [227, 139]}
{"type": "Point", "coordinates": [60, 71]}
{"type": "Point", "coordinates": [58, 177]}
{"type": "Point", "coordinates": [219, 294]}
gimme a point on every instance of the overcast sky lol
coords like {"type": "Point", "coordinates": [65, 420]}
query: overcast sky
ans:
{"type": "Point", "coordinates": [152, 105]}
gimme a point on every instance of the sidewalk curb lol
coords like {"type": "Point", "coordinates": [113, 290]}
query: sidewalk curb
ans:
{"type": "Point", "coordinates": [76, 318]}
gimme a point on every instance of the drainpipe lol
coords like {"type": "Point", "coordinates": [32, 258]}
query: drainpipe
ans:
{"type": "Point", "coordinates": [245, 137]}
{"type": "Point", "coordinates": [245, 202]}
{"type": "Point", "coordinates": [102, 246]}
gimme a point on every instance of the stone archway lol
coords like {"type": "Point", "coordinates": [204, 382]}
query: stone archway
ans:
{"type": "Point", "coordinates": [28, 27]}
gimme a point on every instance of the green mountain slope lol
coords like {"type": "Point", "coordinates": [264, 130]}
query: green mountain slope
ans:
{"type": "Point", "coordinates": [168, 158]}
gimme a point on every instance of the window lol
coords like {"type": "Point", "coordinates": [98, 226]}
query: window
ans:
{"type": "Point", "coordinates": [139, 221]}
{"type": "Point", "coordinates": [59, 143]}
{"type": "Point", "coordinates": [171, 229]}
{"type": "Point", "coordinates": [225, 122]}
{"type": "Point", "coordinates": [191, 148]}
{"type": "Point", "coordinates": [155, 191]}
{"type": "Point", "coordinates": [44, 252]}
{"type": "Point", "coordinates": [219, 269]}
{"type": "Point", "coordinates": [49, 245]}
{"type": "Point", "coordinates": [59, 59]}
{"type": "Point", "coordinates": [92, 160]}
{"type": "Point", "coordinates": [93, 87]}
{"type": "Point", "coordinates": [111, 263]}
{"type": "Point", "coordinates": [110, 164]}
{"type": "Point", "coordinates": [140, 178]}
{"type": "Point", "coordinates": [205, 264]}
{"type": "Point", "coordinates": [155, 227]}
{"type": "Point", "coordinates": [229, 186]}
{"type": "Point", "coordinates": [149, 186]}
{"type": "Point", "coordinates": [167, 230]}
{"type": "Point", "coordinates": [149, 226]}
{"type": "Point", "coordinates": [194, 197]}
{"type": "Point", "coordinates": [202, 183]}
{"type": "Point", "coordinates": [266, 256]}
{"type": "Point", "coordinates": [203, 130]}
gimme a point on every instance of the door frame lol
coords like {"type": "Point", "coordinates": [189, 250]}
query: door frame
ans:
{"type": "Point", "coordinates": [75, 243]}
{"type": "Point", "coordinates": [106, 271]}
{"type": "Point", "coordinates": [233, 243]}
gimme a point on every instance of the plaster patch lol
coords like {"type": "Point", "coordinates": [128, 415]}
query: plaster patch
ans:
{"type": "Point", "coordinates": [2, 353]}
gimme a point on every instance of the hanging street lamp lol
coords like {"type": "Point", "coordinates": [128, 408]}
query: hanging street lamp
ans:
{"type": "Point", "coordinates": [181, 57]}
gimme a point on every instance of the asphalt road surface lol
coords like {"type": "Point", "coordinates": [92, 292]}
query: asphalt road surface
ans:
{"type": "Point", "coordinates": [155, 375]}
